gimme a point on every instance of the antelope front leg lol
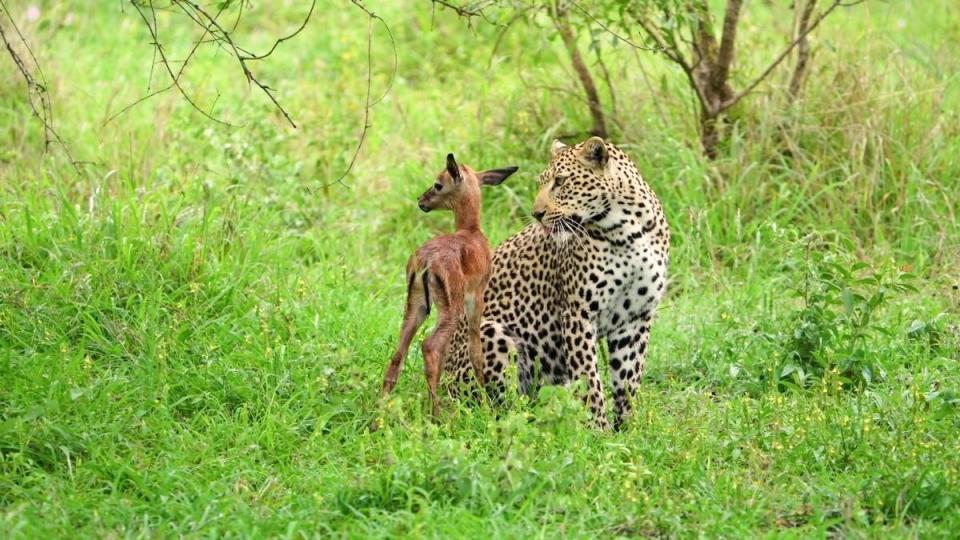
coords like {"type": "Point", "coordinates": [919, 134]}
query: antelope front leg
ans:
{"type": "Point", "coordinates": [434, 349]}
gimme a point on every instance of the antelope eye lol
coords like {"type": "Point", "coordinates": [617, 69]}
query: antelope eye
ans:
{"type": "Point", "coordinates": [438, 186]}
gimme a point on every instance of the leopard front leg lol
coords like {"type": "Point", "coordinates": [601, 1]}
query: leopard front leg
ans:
{"type": "Point", "coordinates": [497, 347]}
{"type": "Point", "coordinates": [580, 353]}
{"type": "Point", "coordinates": [628, 347]}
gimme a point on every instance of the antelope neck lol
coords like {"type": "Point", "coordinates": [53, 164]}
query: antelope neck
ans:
{"type": "Point", "coordinates": [467, 213]}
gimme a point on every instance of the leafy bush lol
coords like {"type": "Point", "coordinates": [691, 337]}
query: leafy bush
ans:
{"type": "Point", "coordinates": [835, 328]}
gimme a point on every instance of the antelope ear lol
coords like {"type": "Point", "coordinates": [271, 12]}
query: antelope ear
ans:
{"type": "Point", "coordinates": [594, 152]}
{"type": "Point", "coordinates": [556, 147]}
{"type": "Point", "coordinates": [494, 177]}
{"type": "Point", "coordinates": [453, 169]}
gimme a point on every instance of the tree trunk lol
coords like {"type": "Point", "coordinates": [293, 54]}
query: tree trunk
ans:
{"type": "Point", "coordinates": [708, 64]}
{"type": "Point", "coordinates": [583, 73]}
{"type": "Point", "coordinates": [709, 133]}
{"type": "Point", "coordinates": [803, 49]}
{"type": "Point", "coordinates": [712, 71]}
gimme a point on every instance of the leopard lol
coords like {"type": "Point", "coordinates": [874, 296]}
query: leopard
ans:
{"type": "Point", "coordinates": [590, 266]}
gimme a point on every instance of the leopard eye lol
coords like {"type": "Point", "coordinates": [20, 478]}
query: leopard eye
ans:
{"type": "Point", "coordinates": [438, 186]}
{"type": "Point", "coordinates": [559, 180]}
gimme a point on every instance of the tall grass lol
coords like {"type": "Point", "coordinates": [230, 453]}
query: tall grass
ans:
{"type": "Point", "coordinates": [192, 330]}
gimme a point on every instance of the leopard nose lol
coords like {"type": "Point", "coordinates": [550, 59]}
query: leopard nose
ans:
{"type": "Point", "coordinates": [538, 215]}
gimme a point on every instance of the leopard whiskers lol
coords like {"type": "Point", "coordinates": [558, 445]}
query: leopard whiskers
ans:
{"type": "Point", "coordinates": [578, 231]}
{"type": "Point", "coordinates": [572, 237]}
{"type": "Point", "coordinates": [562, 226]}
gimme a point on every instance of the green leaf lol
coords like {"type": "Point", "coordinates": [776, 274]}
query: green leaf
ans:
{"type": "Point", "coordinates": [847, 296]}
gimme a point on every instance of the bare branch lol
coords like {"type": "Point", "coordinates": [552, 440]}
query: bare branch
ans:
{"type": "Point", "coordinates": [183, 66]}
{"type": "Point", "coordinates": [241, 58]}
{"type": "Point", "coordinates": [153, 64]}
{"type": "Point", "coordinates": [44, 114]}
{"type": "Point", "coordinates": [469, 11]}
{"type": "Point", "coordinates": [236, 22]}
{"type": "Point", "coordinates": [219, 36]}
{"type": "Point", "coordinates": [462, 11]}
{"type": "Point", "coordinates": [611, 32]}
{"type": "Point", "coordinates": [368, 102]}
{"type": "Point", "coordinates": [166, 64]}
{"type": "Point", "coordinates": [303, 25]}
{"type": "Point", "coordinates": [776, 62]}
{"type": "Point", "coordinates": [676, 57]}
{"type": "Point", "coordinates": [583, 72]}
{"type": "Point", "coordinates": [731, 19]}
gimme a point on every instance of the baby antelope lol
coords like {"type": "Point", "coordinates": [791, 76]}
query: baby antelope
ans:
{"type": "Point", "coordinates": [449, 271]}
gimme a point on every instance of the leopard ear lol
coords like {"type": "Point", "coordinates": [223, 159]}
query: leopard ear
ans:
{"type": "Point", "coordinates": [556, 147]}
{"type": "Point", "coordinates": [594, 153]}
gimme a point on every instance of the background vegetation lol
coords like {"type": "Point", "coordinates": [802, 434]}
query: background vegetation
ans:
{"type": "Point", "coordinates": [193, 327]}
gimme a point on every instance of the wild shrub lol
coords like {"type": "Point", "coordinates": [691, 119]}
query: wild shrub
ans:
{"type": "Point", "coordinates": [835, 327]}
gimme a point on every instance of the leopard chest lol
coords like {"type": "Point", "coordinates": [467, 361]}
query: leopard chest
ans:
{"type": "Point", "coordinates": [621, 286]}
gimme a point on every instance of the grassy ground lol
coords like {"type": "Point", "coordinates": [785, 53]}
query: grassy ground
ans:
{"type": "Point", "coordinates": [193, 330]}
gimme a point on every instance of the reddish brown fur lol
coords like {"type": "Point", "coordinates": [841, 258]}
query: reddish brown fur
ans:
{"type": "Point", "coordinates": [449, 271]}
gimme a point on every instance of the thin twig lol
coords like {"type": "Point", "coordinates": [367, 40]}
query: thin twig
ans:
{"type": "Point", "coordinates": [676, 57]}
{"type": "Point", "coordinates": [166, 64]}
{"type": "Point", "coordinates": [611, 32]}
{"type": "Point", "coordinates": [183, 66]}
{"type": "Point", "coordinates": [153, 64]}
{"type": "Point", "coordinates": [241, 58]}
{"type": "Point", "coordinates": [368, 103]}
{"type": "Point", "coordinates": [45, 113]}
{"type": "Point", "coordinates": [287, 37]}
{"type": "Point", "coordinates": [460, 10]}
{"type": "Point", "coordinates": [219, 36]}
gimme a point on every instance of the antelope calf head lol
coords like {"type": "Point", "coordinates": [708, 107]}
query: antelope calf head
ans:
{"type": "Point", "coordinates": [458, 182]}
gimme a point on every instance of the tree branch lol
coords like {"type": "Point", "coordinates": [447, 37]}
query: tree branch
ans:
{"type": "Point", "coordinates": [731, 20]}
{"type": "Point", "coordinates": [166, 64]}
{"type": "Point", "coordinates": [219, 36]}
{"type": "Point", "coordinates": [803, 49]}
{"type": "Point", "coordinates": [276, 43]}
{"type": "Point", "coordinates": [44, 114]}
{"type": "Point", "coordinates": [676, 57]}
{"type": "Point", "coordinates": [462, 11]}
{"type": "Point", "coordinates": [583, 73]}
{"type": "Point", "coordinates": [776, 62]}
{"type": "Point", "coordinates": [609, 31]}
{"type": "Point", "coordinates": [368, 103]}
{"type": "Point", "coordinates": [183, 66]}
{"type": "Point", "coordinates": [241, 58]}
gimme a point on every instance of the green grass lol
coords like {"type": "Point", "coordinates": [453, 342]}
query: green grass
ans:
{"type": "Point", "coordinates": [193, 330]}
